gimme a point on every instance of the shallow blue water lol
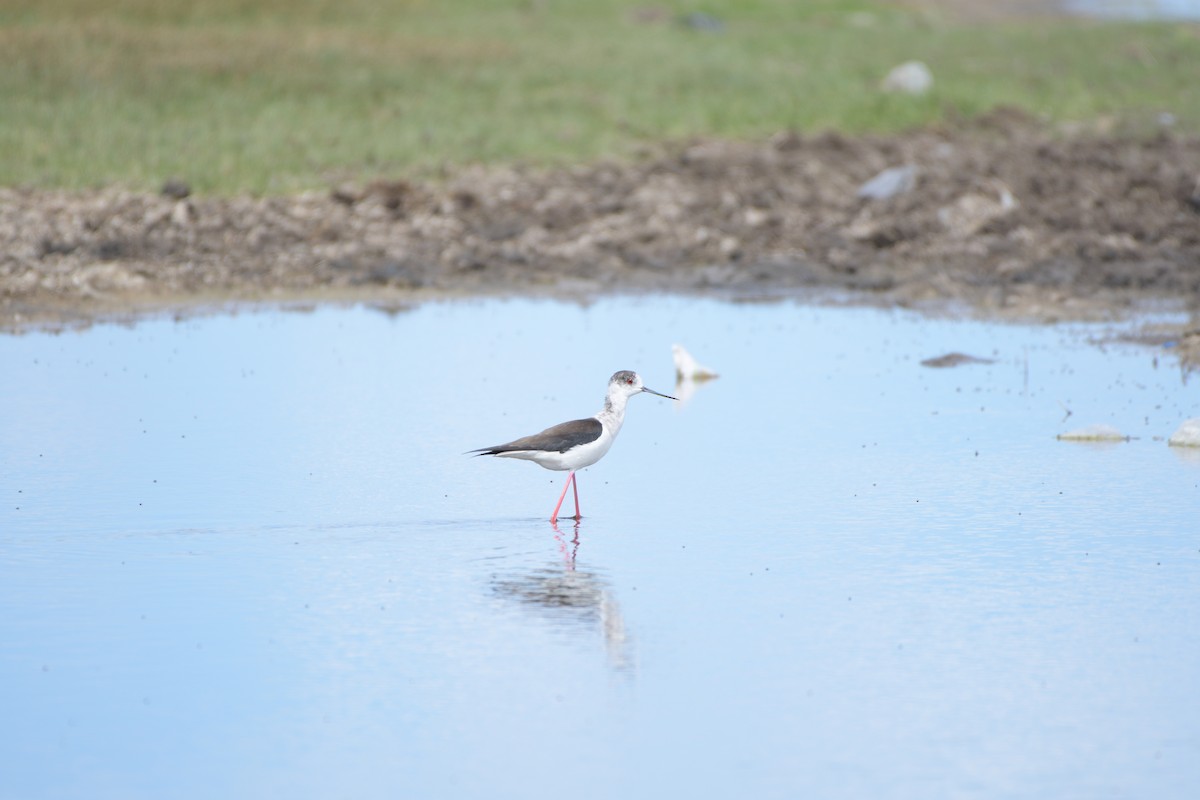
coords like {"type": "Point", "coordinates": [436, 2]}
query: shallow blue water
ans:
{"type": "Point", "coordinates": [1136, 9]}
{"type": "Point", "coordinates": [245, 556]}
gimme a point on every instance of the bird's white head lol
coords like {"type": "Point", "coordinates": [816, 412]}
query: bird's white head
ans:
{"type": "Point", "coordinates": [626, 384]}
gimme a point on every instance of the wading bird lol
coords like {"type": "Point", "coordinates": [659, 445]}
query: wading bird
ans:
{"type": "Point", "coordinates": [579, 443]}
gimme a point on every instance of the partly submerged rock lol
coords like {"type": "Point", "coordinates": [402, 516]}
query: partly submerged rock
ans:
{"type": "Point", "coordinates": [955, 360]}
{"type": "Point", "coordinates": [1187, 435]}
{"type": "Point", "coordinates": [1094, 433]}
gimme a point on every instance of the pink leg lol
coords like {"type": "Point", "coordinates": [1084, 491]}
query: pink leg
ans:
{"type": "Point", "coordinates": [575, 486]}
{"type": "Point", "coordinates": [563, 496]}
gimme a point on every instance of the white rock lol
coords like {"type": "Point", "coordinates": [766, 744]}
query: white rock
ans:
{"type": "Point", "coordinates": [911, 77]}
{"type": "Point", "coordinates": [183, 213]}
{"type": "Point", "coordinates": [756, 217]}
{"type": "Point", "coordinates": [1188, 434]}
{"type": "Point", "coordinates": [889, 183]}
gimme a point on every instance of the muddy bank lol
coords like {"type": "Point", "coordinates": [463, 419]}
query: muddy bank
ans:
{"type": "Point", "coordinates": [1001, 214]}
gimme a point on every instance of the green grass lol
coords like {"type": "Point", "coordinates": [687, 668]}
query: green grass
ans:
{"type": "Point", "coordinates": [281, 95]}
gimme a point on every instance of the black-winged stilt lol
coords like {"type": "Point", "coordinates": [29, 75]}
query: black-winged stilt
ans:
{"type": "Point", "coordinates": [579, 443]}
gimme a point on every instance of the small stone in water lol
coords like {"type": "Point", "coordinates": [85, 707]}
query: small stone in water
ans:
{"type": "Point", "coordinates": [1094, 433]}
{"type": "Point", "coordinates": [955, 360]}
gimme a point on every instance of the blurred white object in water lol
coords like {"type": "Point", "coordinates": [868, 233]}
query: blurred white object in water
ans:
{"type": "Point", "coordinates": [1188, 434]}
{"type": "Point", "coordinates": [688, 375]}
{"type": "Point", "coordinates": [686, 367]}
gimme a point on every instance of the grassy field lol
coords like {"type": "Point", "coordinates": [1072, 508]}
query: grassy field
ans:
{"type": "Point", "coordinates": [280, 95]}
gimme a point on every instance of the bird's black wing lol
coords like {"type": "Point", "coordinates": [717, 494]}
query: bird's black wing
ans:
{"type": "Point", "coordinates": [558, 439]}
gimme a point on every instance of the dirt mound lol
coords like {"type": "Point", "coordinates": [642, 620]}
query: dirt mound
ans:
{"type": "Point", "coordinates": [1001, 213]}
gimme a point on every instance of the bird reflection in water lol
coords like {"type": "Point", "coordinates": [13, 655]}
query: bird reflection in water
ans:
{"type": "Point", "coordinates": [580, 598]}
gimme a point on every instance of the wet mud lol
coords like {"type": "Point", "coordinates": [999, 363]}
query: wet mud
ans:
{"type": "Point", "coordinates": [1001, 215]}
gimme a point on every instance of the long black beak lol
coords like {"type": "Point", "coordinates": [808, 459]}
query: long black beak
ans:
{"type": "Point", "coordinates": [660, 394]}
